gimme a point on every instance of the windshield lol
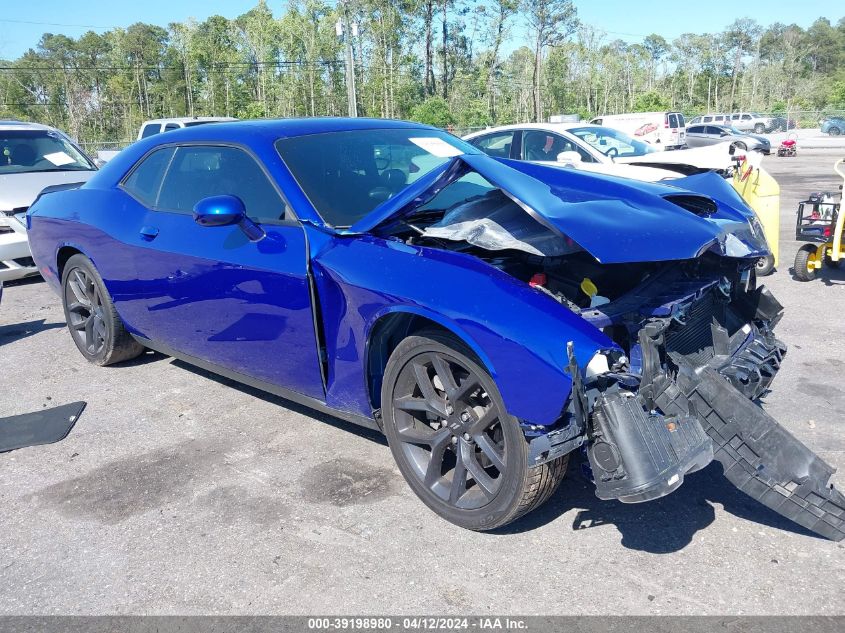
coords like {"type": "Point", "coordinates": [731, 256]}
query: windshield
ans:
{"type": "Point", "coordinates": [348, 174]}
{"type": "Point", "coordinates": [29, 151]}
{"type": "Point", "coordinates": [611, 142]}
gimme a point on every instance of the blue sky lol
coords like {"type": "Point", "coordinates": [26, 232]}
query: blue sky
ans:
{"type": "Point", "coordinates": [626, 19]}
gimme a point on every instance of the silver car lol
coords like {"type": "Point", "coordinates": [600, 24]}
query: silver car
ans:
{"type": "Point", "coordinates": [703, 135]}
{"type": "Point", "coordinates": [32, 157]}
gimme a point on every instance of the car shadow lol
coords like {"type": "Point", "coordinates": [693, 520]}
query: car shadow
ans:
{"type": "Point", "coordinates": [338, 423]}
{"type": "Point", "coordinates": [18, 331]}
{"type": "Point", "coordinates": [828, 275]}
{"type": "Point", "coordinates": [662, 526]}
{"type": "Point", "coordinates": [148, 356]}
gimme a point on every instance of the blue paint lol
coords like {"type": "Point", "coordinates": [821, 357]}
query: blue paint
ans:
{"type": "Point", "coordinates": [245, 302]}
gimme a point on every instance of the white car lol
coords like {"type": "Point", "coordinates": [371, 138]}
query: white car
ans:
{"type": "Point", "coordinates": [157, 126]}
{"type": "Point", "coordinates": [598, 149]}
{"type": "Point", "coordinates": [32, 157]}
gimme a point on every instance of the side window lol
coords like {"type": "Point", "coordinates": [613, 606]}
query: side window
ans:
{"type": "Point", "coordinates": [696, 129]}
{"type": "Point", "coordinates": [736, 117]}
{"type": "Point", "coordinates": [706, 119]}
{"type": "Point", "coordinates": [498, 145]}
{"type": "Point", "coordinates": [150, 129]}
{"type": "Point", "coordinates": [544, 146]}
{"type": "Point", "coordinates": [586, 157]}
{"type": "Point", "coordinates": [171, 126]}
{"type": "Point", "coordinates": [681, 120]}
{"type": "Point", "coordinates": [673, 121]}
{"type": "Point", "coordinates": [197, 172]}
{"type": "Point", "coordinates": [746, 117]}
{"type": "Point", "coordinates": [144, 181]}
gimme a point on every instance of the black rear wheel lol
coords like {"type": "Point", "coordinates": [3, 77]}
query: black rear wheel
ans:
{"type": "Point", "coordinates": [766, 265]}
{"type": "Point", "coordinates": [94, 324]}
{"type": "Point", "coordinates": [804, 270]}
{"type": "Point", "coordinates": [834, 131]}
{"type": "Point", "coordinates": [454, 442]}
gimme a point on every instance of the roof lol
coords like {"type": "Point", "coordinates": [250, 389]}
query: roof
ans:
{"type": "Point", "coordinates": [548, 127]}
{"type": "Point", "coordinates": [22, 125]}
{"type": "Point", "coordinates": [279, 128]}
{"type": "Point", "coordinates": [188, 119]}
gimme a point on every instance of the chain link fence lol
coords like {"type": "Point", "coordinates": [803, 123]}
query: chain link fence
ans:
{"type": "Point", "coordinates": [806, 121]}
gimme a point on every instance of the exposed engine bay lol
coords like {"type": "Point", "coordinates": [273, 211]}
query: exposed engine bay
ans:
{"type": "Point", "coordinates": [695, 352]}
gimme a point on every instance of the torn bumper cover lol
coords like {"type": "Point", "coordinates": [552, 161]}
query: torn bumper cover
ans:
{"type": "Point", "coordinates": [693, 402]}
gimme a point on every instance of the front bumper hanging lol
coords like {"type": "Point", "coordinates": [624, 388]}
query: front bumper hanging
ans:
{"type": "Point", "coordinates": [758, 455]}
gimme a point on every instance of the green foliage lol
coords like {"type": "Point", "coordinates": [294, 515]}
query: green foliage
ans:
{"type": "Point", "coordinates": [651, 102]}
{"type": "Point", "coordinates": [837, 95]}
{"type": "Point", "coordinates": [483, 59]}
{"type": "Point", "coordinates": [433, 111]}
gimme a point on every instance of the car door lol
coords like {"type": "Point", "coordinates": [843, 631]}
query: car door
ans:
{"type": "Point", "coordinates": [695, 135]}
{"type": "Point", "coordinates": [210, 292]}
{"type": "Point", "coordinates": [497, 144]}
{"type": "Point", "coordinates": [710, 136]}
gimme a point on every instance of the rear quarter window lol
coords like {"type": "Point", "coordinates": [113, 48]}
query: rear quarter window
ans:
{"type": "Point", "coordinates": [144, 181]}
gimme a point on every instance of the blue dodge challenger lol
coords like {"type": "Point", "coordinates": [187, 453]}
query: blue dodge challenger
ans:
{"type": "Point", "coordinates": [491, 317]}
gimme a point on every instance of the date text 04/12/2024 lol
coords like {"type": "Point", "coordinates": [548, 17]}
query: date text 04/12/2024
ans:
{"type": "Point", "coordinates": [420, 623]}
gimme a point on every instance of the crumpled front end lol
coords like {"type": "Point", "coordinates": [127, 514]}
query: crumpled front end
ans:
{"type": "Point", "coordinates": [701, 351]}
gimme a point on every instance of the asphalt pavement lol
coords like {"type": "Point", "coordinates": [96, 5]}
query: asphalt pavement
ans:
{"type": "Point", "coordinates": [181, 493]}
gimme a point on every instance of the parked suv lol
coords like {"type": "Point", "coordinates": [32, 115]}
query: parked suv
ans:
{"type": "Point", "coordinates": [751, 122]}
{"type": "Point", "coordinates": [718, 119]}
{"type": "Point", "coordinates": [157, 126]}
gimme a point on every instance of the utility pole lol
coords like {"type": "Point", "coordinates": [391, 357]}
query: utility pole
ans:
{"type": "Point", "coordinates": [344, 30]}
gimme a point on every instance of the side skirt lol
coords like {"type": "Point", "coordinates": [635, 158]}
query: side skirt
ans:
{"type": "Point", "coordinates": [287, 394]}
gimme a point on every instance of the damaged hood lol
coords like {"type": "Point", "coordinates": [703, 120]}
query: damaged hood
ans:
{"type": "Point", "coordinates": [616, 220]}
{"type": "Point", "coordinates": [710, 157]}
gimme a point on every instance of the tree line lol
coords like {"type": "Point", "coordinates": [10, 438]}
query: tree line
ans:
{"type": "Point", "coordinates": [467, 63]}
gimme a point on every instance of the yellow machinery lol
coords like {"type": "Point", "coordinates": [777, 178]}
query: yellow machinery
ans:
{"type": "Point", "coordinates": [762, 193]}
{"type": "Point", "coordinates": [820, 220]}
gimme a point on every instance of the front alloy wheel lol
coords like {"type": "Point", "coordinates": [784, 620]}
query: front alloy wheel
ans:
{"type": "Point", "coordinates": [454, 442]}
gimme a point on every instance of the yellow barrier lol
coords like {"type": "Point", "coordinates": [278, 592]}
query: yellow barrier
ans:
{"type": "Point", "coordinates": [762, 193]}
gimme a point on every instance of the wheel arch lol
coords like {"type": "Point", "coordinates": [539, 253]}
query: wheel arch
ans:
{"type": "Point", "coordinates": [63, 254]}
{"type": "Point", "coordinates": [392, 327]}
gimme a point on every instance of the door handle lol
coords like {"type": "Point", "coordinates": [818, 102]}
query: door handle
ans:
{"type": "Point", "coordinates": [149, 232]}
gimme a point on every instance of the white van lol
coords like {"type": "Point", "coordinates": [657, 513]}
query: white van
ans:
{"type": "Point", "coordinates": [157, 126]}
{"type": "Point", "coordinates": [665, 129]}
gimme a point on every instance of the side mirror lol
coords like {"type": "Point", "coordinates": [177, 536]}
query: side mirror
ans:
{"type": "Point", "coordinates": [224, 211]}
{"type": "Point", "coordinates": [569, 157]}
{"type": "Point", "coordinates": [219, 211]}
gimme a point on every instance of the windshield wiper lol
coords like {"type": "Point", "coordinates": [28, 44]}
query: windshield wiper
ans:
{"type": "Point", "coordinates": [54, 169]}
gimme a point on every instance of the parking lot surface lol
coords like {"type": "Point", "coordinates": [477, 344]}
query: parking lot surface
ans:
{"type": "Point", "coordinates": [181, 493]}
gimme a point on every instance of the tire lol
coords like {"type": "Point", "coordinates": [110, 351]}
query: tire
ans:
{"type": "Point", "coordinates": [803, 271]}
{"type": "Point", "coordinates": [94, 325]}
{"type": "Point", "coordinates": [446, 424]}
{"type": "Point", "coordinates": [759, 128]}
{"type": "Point", "coordinates": [834, 131]}
{"type": "Point", "coordinates": [741, 146]}
{"type": "Point", "coordinates": [765, 265]}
